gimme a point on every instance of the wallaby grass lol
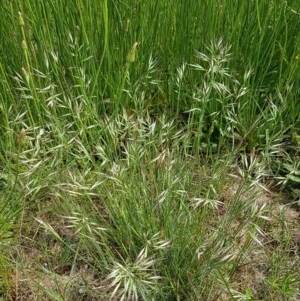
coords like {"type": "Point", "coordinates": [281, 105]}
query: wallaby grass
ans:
{"type": "Point", "coordinates": [149, 151]}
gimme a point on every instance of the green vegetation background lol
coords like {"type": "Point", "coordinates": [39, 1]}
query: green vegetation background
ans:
{"type": "Point", "coordinates": [127, 116]}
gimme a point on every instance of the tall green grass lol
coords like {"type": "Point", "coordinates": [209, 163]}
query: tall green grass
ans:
{"type": "Point", "coordinates": [138, 115]}
{"type": "Point", "coordinates": [80, 52]}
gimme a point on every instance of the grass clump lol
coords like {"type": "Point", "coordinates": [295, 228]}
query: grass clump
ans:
{"type": "Point", "coordinates": [149, 151]}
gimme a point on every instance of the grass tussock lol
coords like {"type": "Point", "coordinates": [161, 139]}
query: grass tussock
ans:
{"type": "Point", "coordinates": [149, 151]}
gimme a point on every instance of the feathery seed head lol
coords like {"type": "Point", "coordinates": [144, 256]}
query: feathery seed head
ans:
{"type": "Point", "coordinates": [21, 137]}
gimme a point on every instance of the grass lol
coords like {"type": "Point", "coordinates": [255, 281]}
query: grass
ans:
{"type": "Point", "coordinates": [149, 150]}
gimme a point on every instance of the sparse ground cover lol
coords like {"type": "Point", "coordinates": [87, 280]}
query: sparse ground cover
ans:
{"type": "Point", "coordinates": [149, 150]}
